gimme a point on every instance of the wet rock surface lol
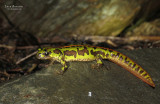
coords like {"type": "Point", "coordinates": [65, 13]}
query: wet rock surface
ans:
{"type": "Point", "coordinates": [82, 85]}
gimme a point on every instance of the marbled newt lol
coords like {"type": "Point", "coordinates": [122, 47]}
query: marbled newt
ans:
{"type": "Point", "coordinates": [89, 53]}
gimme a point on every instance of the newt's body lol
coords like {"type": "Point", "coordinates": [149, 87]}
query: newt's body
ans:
{"type": "Point", "coordinates": [90, 53]}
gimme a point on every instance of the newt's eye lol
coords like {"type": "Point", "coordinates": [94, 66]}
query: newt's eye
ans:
{"type": "Point", "coordinates": [46, 53]}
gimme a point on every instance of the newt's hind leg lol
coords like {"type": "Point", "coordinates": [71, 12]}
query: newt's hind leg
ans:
{"type": "Point", "coordinates": [98, 64]}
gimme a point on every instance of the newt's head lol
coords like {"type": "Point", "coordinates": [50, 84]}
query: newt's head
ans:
{"type": "Point", "coordinates": [43, 54]}
{"type": "Point", "coordinates": [47, 53]}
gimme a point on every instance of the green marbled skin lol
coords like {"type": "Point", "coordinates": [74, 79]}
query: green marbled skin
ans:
{"type": "Point", "coordinates": [90, 53]}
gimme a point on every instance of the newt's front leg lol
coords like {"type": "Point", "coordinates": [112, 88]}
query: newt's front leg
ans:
{"type": "Point", "coordinates": [64, 65]}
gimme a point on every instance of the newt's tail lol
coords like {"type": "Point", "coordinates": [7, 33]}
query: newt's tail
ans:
{"type": "Point", "coordinates": [131, 66]}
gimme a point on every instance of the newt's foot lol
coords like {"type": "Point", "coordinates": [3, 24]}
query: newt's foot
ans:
{"type": "Point", "coordinates": [96, 66]}
{"type": "Point", "coordinates": [59, 72]}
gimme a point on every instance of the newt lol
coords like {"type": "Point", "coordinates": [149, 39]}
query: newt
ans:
{"type": "Point", "coordinates": [90, 53]}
